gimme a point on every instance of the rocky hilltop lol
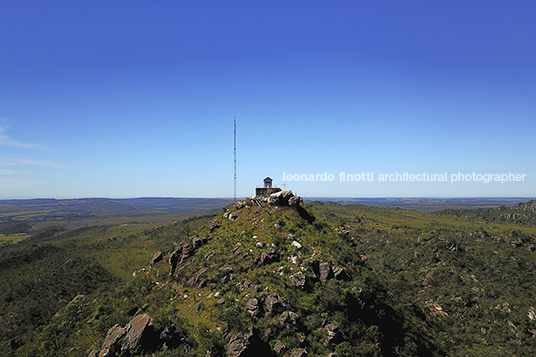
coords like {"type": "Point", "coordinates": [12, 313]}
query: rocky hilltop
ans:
{"type": "Point", "coordinates": [264, 278]}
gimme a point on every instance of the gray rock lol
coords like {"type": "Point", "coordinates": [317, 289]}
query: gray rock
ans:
{"type": "Point", "coordinates": [289, 320]}
{"type": "Point", "coordinates": [194, 308]}
{"type": "Point", "coordinates": [294, 201]}
{"type": "Point", "coordinates": [298, 279]}
{"type": "Point", "coordinates": [341, 274]}
{"type": "Point", "coordinates": [253, 307]}
{"type": "Point", "coordinates": [135, 330]}
{"type": "Point", "coordinates": [275, 304]}
{"type": "Point", "coordinates": [110, 346]}
{"type": "Point", "coordinates": [325, 272]}
{"type": "Point", "coordinates": [279, 348]}
{"type": "Point", "coordinates": [237, 342]}
{"type": "Point", "coordinates": [174, 258]}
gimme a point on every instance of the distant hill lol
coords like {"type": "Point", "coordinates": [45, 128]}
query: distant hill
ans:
{"type": "Point", "coordinates": [52, 209]}
{"type": "Point", "coordinates": [520, 213]}
{"type": "Point", "coordinates": [424, 204]}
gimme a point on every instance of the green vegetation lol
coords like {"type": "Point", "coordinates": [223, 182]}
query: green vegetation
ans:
{"type": "Point", "coordinates": [376, 282]}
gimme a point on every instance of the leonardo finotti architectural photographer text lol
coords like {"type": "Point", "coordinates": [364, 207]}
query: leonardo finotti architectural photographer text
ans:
{"type": "Point", "coordinates": [407, 177]}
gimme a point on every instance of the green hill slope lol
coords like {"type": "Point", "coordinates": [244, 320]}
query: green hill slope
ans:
{"type": "Point", "coordinates": [317, 280]}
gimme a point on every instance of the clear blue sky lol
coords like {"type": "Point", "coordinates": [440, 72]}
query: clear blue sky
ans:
{"type": "Point", "coordinates": [137, 98]}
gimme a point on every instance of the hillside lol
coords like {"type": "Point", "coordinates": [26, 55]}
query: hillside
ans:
{"type": "Point", "coordinates": [276, 279]}
{"type": "Point", "coordinates": [520, 213]}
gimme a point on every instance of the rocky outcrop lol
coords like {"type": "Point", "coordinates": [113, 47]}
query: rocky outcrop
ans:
{"type": "Point", "coordinates": [198, 243]}
{"type": "Point", "coordinates": [275, 304]}
{"type": "Point", "coordinates": [183, 252]}
{"type": "Point", "coordinates": [245, 344]}
{"type": "Point", "coordinates": [138, 333]}
{"type": "Point", "coordinates": [298, 279]}
{"type": "Point", "coordinates": [253, 307]}
{"type": "Point", "coordinates": [289, 320]}
{"type": "Point", "coordinates": [135, 330]}
{"type": "Point", "coordinates": [270, 256]}
{"type": "Point", "coordinates": [279, 348]}
{"type": "Point", "coordinates": [110, 346]}
{"type": "Point", "coordinates": [331, 334]}
{"type": "Point", "coordinates": [325, 272]}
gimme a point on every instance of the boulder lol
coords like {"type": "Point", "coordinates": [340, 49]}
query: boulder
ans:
{"type": "Point", "coordinates": [279, 348]}
{"type": "Point", "coordinates": [119, 339]}
{"type": "Point", "coordinates": [212, 228]}
{"type": "Point", "coordinates": [237, 342]}
{"type": "Point", "coordinates": [280, 198]}
{"type": "Point", "coordinates": [289, 320]}
{"type": "Point", "coordinates": [194, 308]}
{"type": "Point", "coordinates": [296, 245]}
{"type": "Point", "coordinates": [325, 272]}
{"type": "Point", "coordinates": [245, 344]}
{"type": "Point", "coordinates": [298, 279]}
{"type": "Point", "coordinates": [275, 304]}
{"type": "Point", "coordinates": [253, 307]}
{"type": "Point", "coordinates": [294, 201]}
{"type": "Point", "coordinates": [270, 256]}
{"type": "Point", "coordinates": [135, 330]}
{"type": "Point", "coordinates": [174, 259]}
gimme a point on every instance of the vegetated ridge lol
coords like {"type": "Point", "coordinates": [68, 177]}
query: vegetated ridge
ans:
{"type": "Point", "coordinates": [520, 213]}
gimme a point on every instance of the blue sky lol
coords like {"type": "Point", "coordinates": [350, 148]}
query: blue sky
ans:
{"type": "Point", "coordinates": [137, 98]}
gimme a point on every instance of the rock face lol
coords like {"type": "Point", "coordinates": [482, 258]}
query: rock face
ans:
{"type": "Point", "coordinates": [156, 258]}
{"type": "Point", "coordinates": [137, 333]}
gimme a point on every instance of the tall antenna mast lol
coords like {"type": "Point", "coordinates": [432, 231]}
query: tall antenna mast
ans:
{"type": "Point", "coordinates": [235, 159]}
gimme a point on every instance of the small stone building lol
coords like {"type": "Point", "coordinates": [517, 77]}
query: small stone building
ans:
{"type": "Point", "coordinates": [267, 188]}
